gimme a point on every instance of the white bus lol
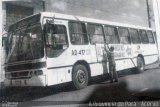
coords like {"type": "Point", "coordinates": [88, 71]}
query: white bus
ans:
{"type": "Point", "coordinates": [52, 48]}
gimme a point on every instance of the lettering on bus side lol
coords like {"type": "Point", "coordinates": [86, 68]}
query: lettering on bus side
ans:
{"type": "Point", "coordinates": [119, 54]}
{"type": "Point", "coordinates": [118, 47]}
{"type": "Point", "coordinates": [80, 52]}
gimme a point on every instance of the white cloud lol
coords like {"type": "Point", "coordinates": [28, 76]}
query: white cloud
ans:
{"type": "Point", "coordinates": [136, 3]}
{"type": "Point", "coordinates": [97, 11]}
{"type": "Point", "coordinates": [60, 5]}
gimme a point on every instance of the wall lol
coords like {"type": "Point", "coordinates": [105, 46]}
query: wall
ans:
{"type": "Point", "coordinates": [13, 15]}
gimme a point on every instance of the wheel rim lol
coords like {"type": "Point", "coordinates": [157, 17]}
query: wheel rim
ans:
{"type": "Point", "coordinates": [81, 76]}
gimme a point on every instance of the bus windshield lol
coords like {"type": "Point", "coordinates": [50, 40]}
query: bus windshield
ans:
{"type": "Point", "coordinates": [25, 44]}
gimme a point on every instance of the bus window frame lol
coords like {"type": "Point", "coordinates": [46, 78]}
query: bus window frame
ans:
{"type": "Point", "coordinates": [69, 36]}
{"type": "Point", "coordinates": [96, 24]}
{"type": "Point", "coordinates": [155, 36]}
{"type": "Point", "coordinates": [123, 36]}
{"type": "Point", "coordinates": [142, 38]}
{"type": "Point", "coordinates": [152, 36]}
{"type": "Point", "coordinates": [66, 36]}
{"type": "Point", "coordinates": [115, 35]}
{"type": "Point", "coordinates": [138, 35]}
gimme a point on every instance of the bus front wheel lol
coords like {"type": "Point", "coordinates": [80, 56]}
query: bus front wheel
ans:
{"type": "Point", "coordinates": [80, 76]}
{"type": "Point", "coordinates": [140, 64]}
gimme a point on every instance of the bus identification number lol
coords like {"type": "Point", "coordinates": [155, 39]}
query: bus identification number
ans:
{"type": "Point", "coordinates": [80, 52]}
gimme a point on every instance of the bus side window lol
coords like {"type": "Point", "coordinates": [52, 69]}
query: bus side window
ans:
{"type": "Point", "coordinates": [155, 36]}
{"type": "Point", "coordinates": [124, 36]}
{"type": "Point", "coordinates": [78, 33]}
{"type": "Point", "coordinates": [95, 33]}
{"type": "Point", "coordinates": [134, 36]}
{"type": "Point", "coordinates": [111, 35]}
{"type": "Point", "coordinates": [150, 37]}
{"type": "Point", "coordinates": [144, 36]}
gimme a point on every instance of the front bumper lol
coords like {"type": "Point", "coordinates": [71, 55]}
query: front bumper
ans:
{"type": "Point", "coordinates": [33, 81]}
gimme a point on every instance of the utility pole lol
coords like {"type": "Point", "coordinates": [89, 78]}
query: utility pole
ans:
{"type": "Point", "coordinates": [0, 42]}
{"type": "Point", "coordinates": [43, 4]}
{"type": "Point", "coordinates": [156, 8]}
{"type": "Point", "coordinates": [148, 13]}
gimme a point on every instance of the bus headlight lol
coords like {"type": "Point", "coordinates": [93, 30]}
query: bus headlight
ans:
{"type": "Point", "coordinates": [36, 73]}
{"type": "Point", "coordinates": [31, 73]}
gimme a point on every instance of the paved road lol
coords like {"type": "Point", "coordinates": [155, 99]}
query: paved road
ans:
{"type": "Point", "coordinates": [131, 87]}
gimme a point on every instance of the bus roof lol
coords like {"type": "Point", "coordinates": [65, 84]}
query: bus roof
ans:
{"type": "Point", "coordinates": [92, 20]}
{"type": "Point", "coordinates": [84, 19]}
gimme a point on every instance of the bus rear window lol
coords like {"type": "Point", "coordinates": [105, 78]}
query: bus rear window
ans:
{"type": "Point", "coordinates": [111, 35]}
{"type": "Point", "coordinates": [124, 36]}
{"type": "Point", "coordinates": [95, 33]}
{"type": "Point", "coordinates": [150, 37]}
{"type": "Point", "coordinates": [143, 36]}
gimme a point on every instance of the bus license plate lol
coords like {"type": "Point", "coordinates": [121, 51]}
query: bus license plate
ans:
{"type": "Point", "coordinates": [18, 82]}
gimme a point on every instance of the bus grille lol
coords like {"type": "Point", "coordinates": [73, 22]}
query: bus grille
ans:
{"type": "Point", "coordinates": [26, 66]}
{"type": "Point", "coordinates": [20, 74]}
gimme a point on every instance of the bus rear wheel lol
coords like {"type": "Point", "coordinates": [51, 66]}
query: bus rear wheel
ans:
{"type": "Point", "coordinates": [80, 76]}
{"type": "Point", "coordinates": [140, 64]}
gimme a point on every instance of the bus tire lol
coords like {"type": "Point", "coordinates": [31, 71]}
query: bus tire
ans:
{"type": "Point", "coordinates": [140, 64]}
{"type": "Point", "coordinates": [80, 76]}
